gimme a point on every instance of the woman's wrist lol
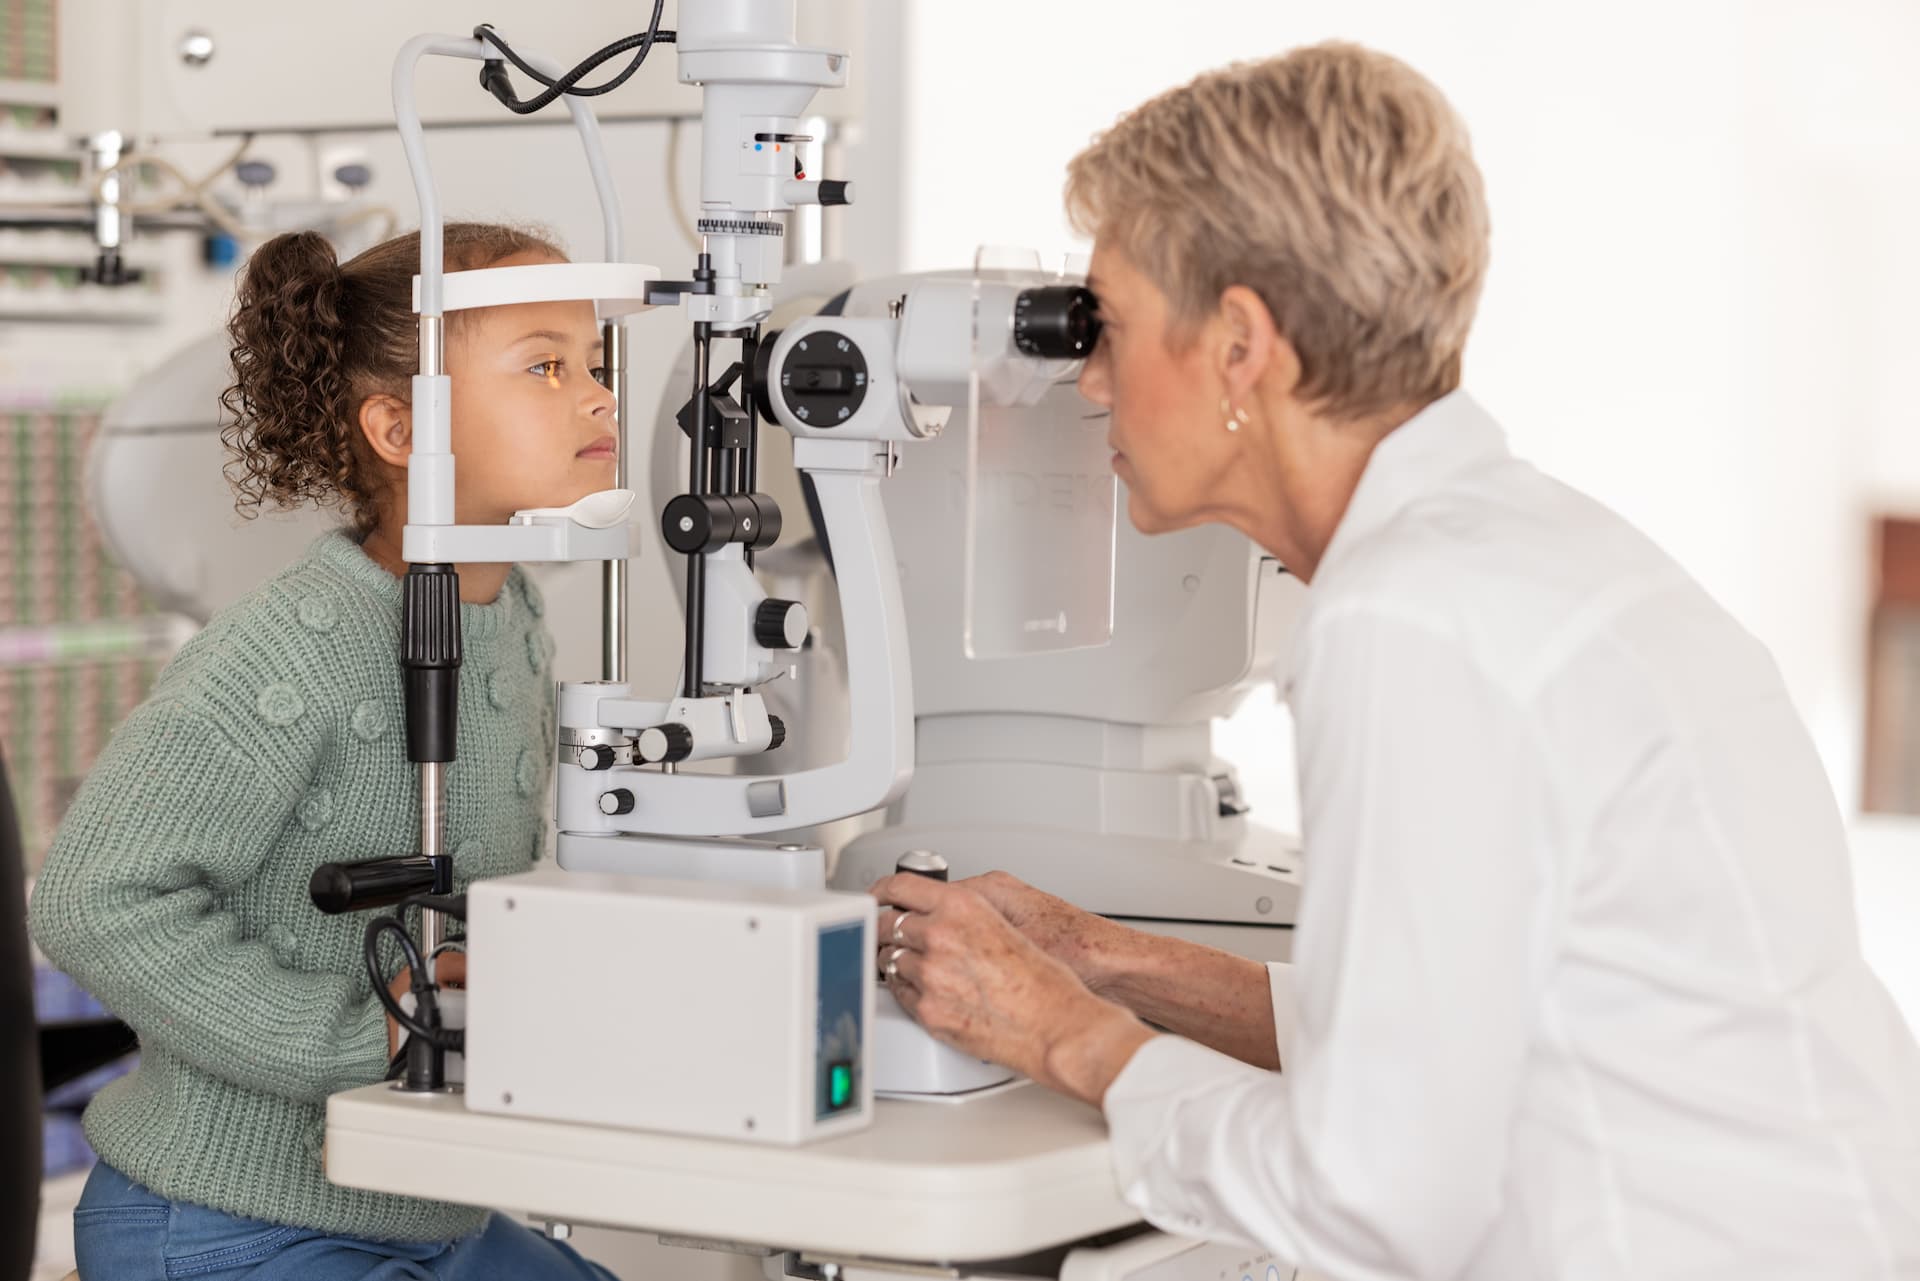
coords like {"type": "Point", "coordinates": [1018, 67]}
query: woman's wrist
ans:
{"type": "Point", "coordinates": [1092, 1044]}
{"type": "Point", "coordinates": [1121, 961]}
{"type": "Point", "coordinates": [1106, 954]}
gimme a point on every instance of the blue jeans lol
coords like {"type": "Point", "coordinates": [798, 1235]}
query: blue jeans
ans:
{"type": "Point", "coordinates": [124, 1232]}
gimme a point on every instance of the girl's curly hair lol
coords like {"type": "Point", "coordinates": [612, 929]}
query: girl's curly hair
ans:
{"type": "Point", "coordinates": [313, 338]}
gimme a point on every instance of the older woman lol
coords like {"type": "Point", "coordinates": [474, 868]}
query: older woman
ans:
{"type": "Point", "coordinates": [1576, 988]}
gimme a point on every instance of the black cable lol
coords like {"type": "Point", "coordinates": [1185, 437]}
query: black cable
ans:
{"type": "Point", "coordinates": [648, 38]}
{"type": "Point", "coordinates": [423, 989]}
{"type": "Point", "coordinates": [453, 905]}
{"type": "Point", "coordinates": [493, 76]}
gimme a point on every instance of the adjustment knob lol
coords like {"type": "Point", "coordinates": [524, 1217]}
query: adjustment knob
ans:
{"type": "Point", "coordinates": [779, 733]}
{"type": "Point", "coordinates": [618, 801]}
{"type": "Point", "coordinates": [596, 757]}
{"type": "Point", "coordinates": [664, 744]}
{"type": "Point", "coordinates": [780, 624]}
{"type": "Point", "coordinates": [923, 863]}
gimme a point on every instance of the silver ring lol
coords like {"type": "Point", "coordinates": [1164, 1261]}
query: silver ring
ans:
{"type": "Point", "coordinates": [900, 928]}
{"type": "Point", "coordinates": [893, 962]}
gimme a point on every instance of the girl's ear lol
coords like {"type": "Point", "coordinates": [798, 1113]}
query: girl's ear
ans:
{"type": "Point", "coordinates": [387, 424]}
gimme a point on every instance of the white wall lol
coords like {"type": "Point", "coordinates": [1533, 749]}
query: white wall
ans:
{"type": "Point", "coordinates": [1700, 303]}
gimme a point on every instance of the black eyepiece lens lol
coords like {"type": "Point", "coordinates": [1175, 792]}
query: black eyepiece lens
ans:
{"type": "Point", "coordinates": [1056, 322]}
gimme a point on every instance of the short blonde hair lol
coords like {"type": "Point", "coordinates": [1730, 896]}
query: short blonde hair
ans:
{"type": "Point", "coordinates": [1337, 184]}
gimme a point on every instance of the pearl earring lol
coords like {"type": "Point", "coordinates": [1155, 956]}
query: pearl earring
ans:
{"type": "Point", "coordinates": [1235, 417]}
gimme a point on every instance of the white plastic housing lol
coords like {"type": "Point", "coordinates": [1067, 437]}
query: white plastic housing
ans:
{"type": "Point", "coordinates": [733, 656]}
{"type": "Point", "coordinates": [884, 412]}
{"type": "Point", "coordinates": [907, 1060]}
{"type": "Point", "coordinates": [543, 541]}
{"type": "Point", "coordinates": [615, 288]}
{"type": "Point", "coordinates": [581, 1005]}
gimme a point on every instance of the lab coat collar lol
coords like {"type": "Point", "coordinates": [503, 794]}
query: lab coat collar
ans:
{"type": "Point", "coordinates": [1446, 438]}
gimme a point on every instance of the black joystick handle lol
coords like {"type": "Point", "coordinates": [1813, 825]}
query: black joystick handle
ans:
{"type": "Point", "coordinates": [923, 863]}
{"type": "Point", "coordinates": [378, 882]}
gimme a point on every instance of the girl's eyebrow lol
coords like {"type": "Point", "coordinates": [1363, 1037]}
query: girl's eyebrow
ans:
{"type": "Point", "coordinates": [555, 337]}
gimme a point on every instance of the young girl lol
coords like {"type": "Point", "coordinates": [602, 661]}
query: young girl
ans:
{"type": "Point", "coordinates": [176, 890]}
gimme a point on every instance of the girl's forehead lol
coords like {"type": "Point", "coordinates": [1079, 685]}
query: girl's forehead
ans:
{"type": "Point", "coordinates": [556, 323]}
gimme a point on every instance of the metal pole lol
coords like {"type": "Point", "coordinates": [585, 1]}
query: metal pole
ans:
{"type": "Point", "coordinates": [613, 573]}
{"type": "Point", "coordinates": [433, 840]}
{"type": "Point", "coordinates": [433, 776]}
{"type": "Point", "coordinates": [697, 485]}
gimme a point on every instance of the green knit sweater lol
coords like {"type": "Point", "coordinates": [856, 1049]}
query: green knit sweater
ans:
{"type": "Point", "coordinates": [176, 890]}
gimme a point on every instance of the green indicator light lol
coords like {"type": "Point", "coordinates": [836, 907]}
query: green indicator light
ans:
{"type": "Point", "coordinates": [839, 1085]}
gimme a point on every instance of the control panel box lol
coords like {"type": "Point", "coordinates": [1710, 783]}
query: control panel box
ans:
{"type": "Point", "coordinates": [685, 1007]}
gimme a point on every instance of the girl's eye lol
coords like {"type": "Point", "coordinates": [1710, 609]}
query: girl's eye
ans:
{"type": "Point", "coordinates": [547, 369]}
{"type": "Point", "coordinates": [599, 373]}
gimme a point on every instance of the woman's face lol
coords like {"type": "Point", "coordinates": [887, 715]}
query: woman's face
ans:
{"type": "Point", "coordinates": [532, 425]}
{"type": "Point", "coordinates": [1170, 444]}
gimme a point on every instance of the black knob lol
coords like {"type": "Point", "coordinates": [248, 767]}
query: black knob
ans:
{"type": "Point", "coordinates": [836, 192]}
{"type": "Point", "coordinates": [695, 524]}
{"type": "Point", "coordinates": [760, 530]}
{"type": "Point", "coordinates": [597, 756]}
{"type": "Point", "coordinates": [618, 801]}
{"type": "Point", "coordinates": [780, 624]}
{"type": "Point", "coordinates": [664, 744]}
{"type": "Point", "coordinates": [760, 377]}
{"type": "Point", "coordinates": [779, 733]}
{"type": "Point", "coordinates": [923, 863]}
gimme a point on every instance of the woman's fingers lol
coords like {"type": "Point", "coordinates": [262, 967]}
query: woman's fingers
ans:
{"type": "Point", "coordinates": [896, 929]}
{"type": "Point", "coordinates": [912, 892]}
{"type": "Point", "coordinates": [903, 964]}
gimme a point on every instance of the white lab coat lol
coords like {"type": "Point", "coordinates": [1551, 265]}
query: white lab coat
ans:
{"type": "Point", "coordinates": [1577, 991]}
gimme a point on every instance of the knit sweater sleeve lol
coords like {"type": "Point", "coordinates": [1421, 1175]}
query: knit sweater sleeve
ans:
{"type": "Point", "coordinates": [133, 904]}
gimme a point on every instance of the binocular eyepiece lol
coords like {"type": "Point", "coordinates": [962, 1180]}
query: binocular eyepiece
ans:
{"type": "Point", "coordinates": [1056, 322]}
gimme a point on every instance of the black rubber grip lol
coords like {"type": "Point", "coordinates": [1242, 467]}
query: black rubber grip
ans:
{"type": "Point", "coordinates": [378, 882]}
{"type": "Point", "coordinates": [430, 657]}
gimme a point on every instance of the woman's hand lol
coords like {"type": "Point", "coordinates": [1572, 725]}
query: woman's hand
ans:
{"type": "Point", "coordinates": [1089, 945]}
{"type": "Point", "coordinates": [957, 965]}
{"type": "Point", "coordinates": [449, 970]}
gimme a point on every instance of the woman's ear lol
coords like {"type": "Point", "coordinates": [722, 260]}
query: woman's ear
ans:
{"type": "Point", "coordinates": [387, 423]}
{"type": "Point", "coordinates": [1253, 351]}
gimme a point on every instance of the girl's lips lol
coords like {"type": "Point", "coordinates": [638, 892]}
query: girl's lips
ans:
{"type": "Point", "coordinates": [599, 449]}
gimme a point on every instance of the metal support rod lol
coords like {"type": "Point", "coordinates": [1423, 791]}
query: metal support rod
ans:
{"type": "Point", "coordinates": [750, 456]}
{"type": "Point", "coordinates": [433, 840]}
{"type": "Point", "coordinates": [697, 474]}
{"type": "Point", "coordinates": [433, 774]}
{"type": "Point", "coordinates": [433, 346]}
{"type": "Point", "coordinates": [613, 573]}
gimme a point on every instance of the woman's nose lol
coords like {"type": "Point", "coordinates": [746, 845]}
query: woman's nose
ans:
{"type": "Point", "coordinates": [599, 400]}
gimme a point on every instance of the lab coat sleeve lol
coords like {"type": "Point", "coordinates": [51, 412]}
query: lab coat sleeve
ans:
{"type": "Point", "coordinates": [1286, 1012]}
{"type": "Point", "coordinates": [1381, 1148]}
{"type": "Point", "coordinates": [132, 904]}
